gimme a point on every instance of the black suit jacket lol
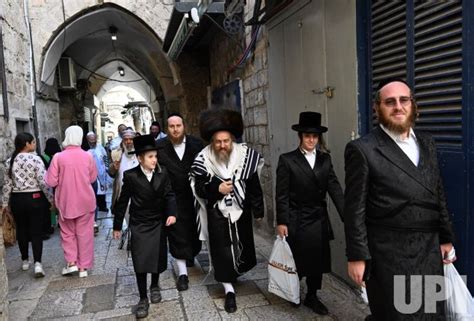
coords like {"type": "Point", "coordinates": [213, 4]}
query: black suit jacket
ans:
{"type": "Point", "coordinates": [149, 201]}
{"type": "Point", "coordinates": [385, 191]}
{"type": "Point", "coordinates": [179, 169]}
{"type": "Point", "coordinates": [183, 236]}
{"type": "Point", "coordinates": [301, 193]}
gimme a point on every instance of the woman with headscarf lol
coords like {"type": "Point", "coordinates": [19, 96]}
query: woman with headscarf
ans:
{"type": "Point", "coordinates": [52, 147]}
{"type": "Point", "coordinates": [72, 172]}
{"type": "Point", "coordinates": [24, 191]}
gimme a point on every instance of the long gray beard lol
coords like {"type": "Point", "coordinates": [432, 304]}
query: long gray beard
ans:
{"type": "Point", "coordinates": [126, 151]}
{"type": "Point", "coordinates": [223, 157]}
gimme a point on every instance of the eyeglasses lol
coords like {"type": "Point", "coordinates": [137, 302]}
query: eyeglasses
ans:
{"type": "Point", "coordinates": [392, 102]}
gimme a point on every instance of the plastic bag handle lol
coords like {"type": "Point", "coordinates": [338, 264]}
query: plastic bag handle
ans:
{"type": "Point", "coordinates": [283, 238]}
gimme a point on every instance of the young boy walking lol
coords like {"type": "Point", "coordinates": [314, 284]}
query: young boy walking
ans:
{"type": "Point", "coordinates": [147, 188]}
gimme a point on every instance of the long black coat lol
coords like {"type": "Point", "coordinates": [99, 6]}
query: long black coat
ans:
{"type": "Point", "coordinates": [150, 205]}
{"type": "Point", "coordinates": [183, 237]}
{"type": "Point", "coordinates": [395, 216]}
{"type": "Point", "coordinates": [301, 205]}
{"type": "Point", "coordinates": [218, 227]}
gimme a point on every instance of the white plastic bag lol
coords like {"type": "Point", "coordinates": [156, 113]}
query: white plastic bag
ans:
{"type": "Point", "coordinates": [282, 276]}
{"type": "Point", "coordinates": [363, 295]}
{"type": "Point", "coordinates": [459, 303]}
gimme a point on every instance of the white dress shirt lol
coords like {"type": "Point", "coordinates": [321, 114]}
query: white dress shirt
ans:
{"type": "Point", "coordinates": [179, 148]}
{"type": "Point", "coordinates": [408, 145]}
{"type": "Point", "coordinates": [148, 174]}
{"type": "Point", "coordinates": [310, 156]}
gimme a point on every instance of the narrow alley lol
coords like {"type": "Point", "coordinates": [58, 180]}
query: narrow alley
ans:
{"type": "Point", "coordinates": [110, 292]}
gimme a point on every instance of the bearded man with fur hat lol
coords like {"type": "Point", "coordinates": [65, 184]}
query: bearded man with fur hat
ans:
{"type": "Point", "coordinates": [225, 182]}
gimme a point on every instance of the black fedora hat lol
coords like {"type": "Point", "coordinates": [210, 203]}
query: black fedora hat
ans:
{"type": "Point", "coordinates": [310, 122]}
{"type": "Point", "coordinates": [143, 143]}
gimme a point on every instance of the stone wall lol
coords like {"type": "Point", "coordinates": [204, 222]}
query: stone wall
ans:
{"type": "Point", "coordinates": [16, 55]}
{"type": "Point", "coordinates": [224, 53]}
{"type": "Point", "coordinates": [47, 16]}
{"type": "Point", "coordinates": [3, 281]}
{"type": "Point", "coordinates": [194, 73]}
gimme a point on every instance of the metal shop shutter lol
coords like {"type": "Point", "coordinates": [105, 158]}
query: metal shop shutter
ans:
{"type": "Point", "coordinates": [438, 70]}
{"type": "Point", "coordinates": [422, 43]}
{"type": "Point", "coordinates": [388, 37]}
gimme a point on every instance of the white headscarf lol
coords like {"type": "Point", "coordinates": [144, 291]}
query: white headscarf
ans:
{"type": "Point", "coordinates": [73, 136]}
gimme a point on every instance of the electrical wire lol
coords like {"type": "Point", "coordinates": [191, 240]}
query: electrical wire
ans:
{"type": "Point", "coordinates": [247, 51]}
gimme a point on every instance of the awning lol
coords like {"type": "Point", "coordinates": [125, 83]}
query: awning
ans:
{"type": "Point", "coordinates": [203, 33]}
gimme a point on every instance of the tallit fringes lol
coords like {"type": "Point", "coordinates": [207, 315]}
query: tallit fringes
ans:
{"type": "Point", "coordinates": [235, 258]}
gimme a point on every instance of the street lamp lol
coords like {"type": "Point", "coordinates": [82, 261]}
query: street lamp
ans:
{"type": "Point", "coordinates": [113, 32]}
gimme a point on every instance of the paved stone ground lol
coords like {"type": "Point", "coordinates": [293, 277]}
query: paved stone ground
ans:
{"type": "Point", "coordinates": [110, 291]}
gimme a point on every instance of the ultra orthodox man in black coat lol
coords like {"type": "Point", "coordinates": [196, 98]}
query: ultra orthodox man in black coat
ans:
{"type": "Point", "coordinates": [301, 204]}
{"type": "Point", "coordinates": [183, 237]}
{"type": "Point", "coordinates": [225, 181]}
{"type": "Point", "coordinates": [395, 210]}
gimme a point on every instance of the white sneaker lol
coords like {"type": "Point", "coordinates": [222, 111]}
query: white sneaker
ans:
{"type": "Point", "coordinates": [83, 274]}
{"type": "Point", "coordinates": [25, 265]}
{"type": "Point", "coordinates": [69, 269]}
{"type": "Point", "coordinates": [39, 273]}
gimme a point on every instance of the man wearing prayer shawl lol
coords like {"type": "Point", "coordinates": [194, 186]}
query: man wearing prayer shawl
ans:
{"type": "Point", "coordinates": [225, 182]}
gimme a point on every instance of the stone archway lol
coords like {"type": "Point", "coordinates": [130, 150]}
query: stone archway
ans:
{"type": "Point", "coordinates": [85, 37]}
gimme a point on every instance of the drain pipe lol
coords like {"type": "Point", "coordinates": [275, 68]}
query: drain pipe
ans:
{"type": "Point", "coordinates": [32, 77]}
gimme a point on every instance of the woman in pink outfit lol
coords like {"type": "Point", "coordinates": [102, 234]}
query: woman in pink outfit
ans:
{"type": "Point", "coordinates": [72, 172]}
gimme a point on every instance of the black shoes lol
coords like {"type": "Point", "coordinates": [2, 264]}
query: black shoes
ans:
{"type": "Point", "coordinates": [230, 305]}
{"type": "Point", "coordinates": [142, 309]}
{"type": "Point", "coordinates": [155, 294]}
{"type": "Point", "coordinates": [314, 304]}
{"type": "Point", "coordinates": [190, 262]}
{"type": "Point", "coordinates": [182, 283]}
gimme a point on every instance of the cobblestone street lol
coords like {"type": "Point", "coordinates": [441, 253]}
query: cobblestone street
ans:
{"type": "Point", "coordinates": [110, 291]}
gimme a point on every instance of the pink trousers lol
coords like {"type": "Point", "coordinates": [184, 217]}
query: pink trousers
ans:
{"type": "Point", "coordinates": [77, 240]}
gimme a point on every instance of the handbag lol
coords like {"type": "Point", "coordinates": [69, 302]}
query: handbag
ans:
{"type": "Point", "coordinates": [283, 279]}
{"type": "Point", "coordinates": [459, 302]}
{"type": "Point", "coordinates": [9, 228]}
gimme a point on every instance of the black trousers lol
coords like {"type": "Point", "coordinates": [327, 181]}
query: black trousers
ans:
{"type": "Point", "coordinates": [100, 202]}
{"type": "Point", "coordinates": [141, 283]}
{"type": "Point", "coordinates": [313, 283]}
{"type": "Point", "coordinates": [47, 223]}
{"type": "Point", "coordinates": [29, 210]}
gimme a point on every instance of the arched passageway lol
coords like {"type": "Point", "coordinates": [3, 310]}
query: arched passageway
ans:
{"type": "Point", "coordinates": [106, 46]}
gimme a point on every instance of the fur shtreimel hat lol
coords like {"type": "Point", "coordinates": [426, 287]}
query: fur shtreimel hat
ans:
{"type": "Point", "coordinates": [212, 121]}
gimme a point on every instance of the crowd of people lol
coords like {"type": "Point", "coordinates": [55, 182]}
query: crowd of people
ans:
{"type": "Point", "coordinates": [172, 192]}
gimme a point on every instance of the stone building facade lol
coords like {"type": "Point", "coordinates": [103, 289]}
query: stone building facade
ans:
{"type": "Point", "coordinates": [322, 34]}
{"type": "Point", "coordinates": [15, 102]}
{"type": "Point", "coordinates": [186, 84]}
{"type": "Point", "coordinates": [253, 72]}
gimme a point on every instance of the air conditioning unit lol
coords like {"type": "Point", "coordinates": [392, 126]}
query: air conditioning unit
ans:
{"type": "Point", "coordinates": [66, 73]}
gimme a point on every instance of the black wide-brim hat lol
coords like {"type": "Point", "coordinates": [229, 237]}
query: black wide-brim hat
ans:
{"type": "Point", "coordinates": [310, 122]}
{"type": "Point", "coordinates": [143, 144]}
{"type": "Point", "coordinates": [215, 120]}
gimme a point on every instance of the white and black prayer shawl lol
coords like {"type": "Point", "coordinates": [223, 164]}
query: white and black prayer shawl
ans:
{"type": "Point", "coordinates": [243, 163]}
